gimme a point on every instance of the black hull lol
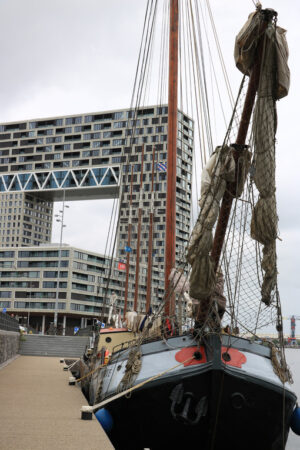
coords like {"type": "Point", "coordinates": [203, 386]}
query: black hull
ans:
{"type": "Point", "coordinates": [211, 406]}
{"type": "Point", "coordinates": [242, 414]}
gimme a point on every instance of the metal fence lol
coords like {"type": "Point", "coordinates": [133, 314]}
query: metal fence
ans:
{"type": "Point", "coordinates": [8, 323]}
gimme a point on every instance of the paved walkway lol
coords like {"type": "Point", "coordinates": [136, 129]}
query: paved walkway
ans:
{"type": "Point", "coordinates": [40, 411]}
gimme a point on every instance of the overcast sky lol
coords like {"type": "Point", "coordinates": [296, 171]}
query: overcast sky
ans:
{"type": "Point", "coordinates": [64, 57]}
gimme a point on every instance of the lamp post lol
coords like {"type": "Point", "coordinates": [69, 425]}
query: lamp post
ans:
{"type": "Point", "coordinates": [59, 218]}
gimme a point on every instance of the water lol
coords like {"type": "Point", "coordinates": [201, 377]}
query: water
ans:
{"type": "Point", "coordinates": [293, 360]}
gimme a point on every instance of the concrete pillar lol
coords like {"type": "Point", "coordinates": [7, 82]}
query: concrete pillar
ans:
{"type": "Point", "coordinates": [43, 324]}
{"type": "Point", "coordinates": [82, 322]}
{"type": "Point", "coordinates": [64, 325]}
{"type": "Point", "coordinates": [85, 322]}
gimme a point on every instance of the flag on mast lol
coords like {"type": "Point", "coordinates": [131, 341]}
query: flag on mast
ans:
{"type": "Point", "coordinates": [121, 266]}
{"type": "Point", "coordinates": [161, 166]}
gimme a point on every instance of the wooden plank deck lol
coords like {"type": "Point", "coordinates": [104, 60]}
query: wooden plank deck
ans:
{"type": "Point", "coordinates": [40, 411]}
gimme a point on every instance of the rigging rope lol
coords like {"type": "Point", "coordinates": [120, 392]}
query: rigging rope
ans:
{"type": "Point", "coordinates": [137, 386]}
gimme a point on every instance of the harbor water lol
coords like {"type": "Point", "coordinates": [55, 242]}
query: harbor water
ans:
{"type": "Point", "coordinates": [293, 360]}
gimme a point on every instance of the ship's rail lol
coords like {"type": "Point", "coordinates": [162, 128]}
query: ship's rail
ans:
{"type": "Point", "coordinates": [124, 346]}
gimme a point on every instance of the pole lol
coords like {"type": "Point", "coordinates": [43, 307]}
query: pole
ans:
{"type": "Point", "coordinates": [137, 273]}
{"type": "Point", "coordinates": [150, 248]}
{"type": "Point", "coordinates": [170, 251]}
{"type": "Point", "coordinates": [128, 244]}
{"type": "Point", "coordinates": [59, 261]}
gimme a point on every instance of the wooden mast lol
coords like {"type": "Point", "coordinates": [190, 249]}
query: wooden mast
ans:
{"type": "Point", "coordinates": [137, 273]}
{"type": "Point", "coordinates": [150, 243]}
{"type": "Point", "coordinates": [128, 245]}
{"type": "Point", "coordinates": [170, 250]}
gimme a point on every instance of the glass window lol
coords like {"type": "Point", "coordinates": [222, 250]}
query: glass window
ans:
{"type": "Point", "coordinates": [4, 304]}
{"type": "Point", "coordinates": [118, 115]}
{"type": "Point", "coordinates": [53, 284]}
{"type": "Point", "coordinates": [118, 141]}
{"type": "Point", "coordinates": [7, 254]}
{"type": "Point", "coordinates": [33, 274]}
{"type": "Point", "coordinates": [5, 294]}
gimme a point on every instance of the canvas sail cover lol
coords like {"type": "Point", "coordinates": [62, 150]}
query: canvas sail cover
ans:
{"type": "Point", "coordinates": [220, 169]}
{"type": "Point", "coordinates": [264, 221]}
{"type": "Point", "coordinates": [245, 46]}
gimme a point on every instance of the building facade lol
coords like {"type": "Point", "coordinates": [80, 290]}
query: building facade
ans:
{"type": "Point", "coordinates": [36, 281]}
{"type": "Point", "coordinates": [24, 220]}
{"type": "Point", "coordinates": [113, 154]}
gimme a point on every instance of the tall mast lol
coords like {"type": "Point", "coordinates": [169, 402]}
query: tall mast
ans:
{"type": "Point", "coordinates": [150, 243]}
{"type": "Point", "coordinates": [170, 249]}
{"type": "Point", "coordinates": [239, 146]}
{"type": "Point", "coordinates": [137, 273]}
{"type": "Point", "coordinates": [128, 245]}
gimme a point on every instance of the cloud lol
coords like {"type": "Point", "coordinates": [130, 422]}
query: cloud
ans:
{"type": "Point", "coordinates": [88, 225]}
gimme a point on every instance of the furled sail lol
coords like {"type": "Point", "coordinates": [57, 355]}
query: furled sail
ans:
{"type": "Point", "coordinates": [220, 170]}
{"type": "Point", "coordinates": [245, 46]}
{"type": "Point", "coordinates": [273, 85]}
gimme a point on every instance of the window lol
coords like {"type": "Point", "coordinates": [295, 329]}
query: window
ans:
{"type": "Point", "coordinates": [5, 294]}
{"type": "Point", "coordinates": [53, 284]}
{"type": "Point", "coordinates": [73, 120]}
{"type": "Point", "coordinates": [118, 141]}
{"type": "Point", "coordinates": [7, 254]}
{"type": "Point", "coordinates": [4, 304]}
{"type": "Point", "coordinates": [118, 115]}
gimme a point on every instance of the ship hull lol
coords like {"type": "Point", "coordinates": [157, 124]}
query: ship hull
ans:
{"type": "Point", "coordinates": [208, 404]}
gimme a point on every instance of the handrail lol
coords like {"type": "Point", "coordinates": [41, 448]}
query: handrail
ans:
{"type": "Point", "coordinates": [8, 323]}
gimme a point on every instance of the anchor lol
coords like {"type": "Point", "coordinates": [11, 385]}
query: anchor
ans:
{"type": "Point", "coordinates": [178, 396]}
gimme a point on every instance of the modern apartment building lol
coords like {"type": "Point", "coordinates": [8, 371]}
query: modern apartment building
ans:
{"type": "Point", "coordinates": [96, 155]}
{"type": "Point", "coordinates": [24, 220]}
{"type": "Point", "coordinates": [29, 277]}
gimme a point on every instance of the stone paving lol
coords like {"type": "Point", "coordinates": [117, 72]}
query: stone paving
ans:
{"type": "Point", "coordinates": [40, 411]}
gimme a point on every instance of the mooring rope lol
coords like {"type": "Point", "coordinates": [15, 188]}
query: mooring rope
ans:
{"type": "Point", "coordinates": [133, 388]}
{"type": "Point", "coordinates": [91, 373]}
{"type": "Point", "coordinates": [73, 363]}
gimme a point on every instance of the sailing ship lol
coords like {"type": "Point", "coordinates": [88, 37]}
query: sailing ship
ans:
{"type": "Point", "coordinates": [213, 386]}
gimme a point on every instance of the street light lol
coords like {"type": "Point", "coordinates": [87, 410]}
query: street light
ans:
{"type": "Point", "coordinates": [59, 218]}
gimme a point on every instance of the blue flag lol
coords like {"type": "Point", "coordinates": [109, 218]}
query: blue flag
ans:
{"type": "Point", "coordinates": [161, 166]}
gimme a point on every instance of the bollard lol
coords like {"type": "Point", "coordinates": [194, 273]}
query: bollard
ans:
{"type": "Point", "coordinates": [86, 414]}
{"type": "Point", "coordinates": [72, 381]}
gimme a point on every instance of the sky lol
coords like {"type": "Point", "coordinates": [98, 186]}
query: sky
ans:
{"type": "Point", "coordinates": [78, 56]}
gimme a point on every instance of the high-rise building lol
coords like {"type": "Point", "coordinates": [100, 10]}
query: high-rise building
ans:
{"type": "Point", "coordinates": [24, 220]}
{"type": "Point", "coordinates": [96, 155]}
